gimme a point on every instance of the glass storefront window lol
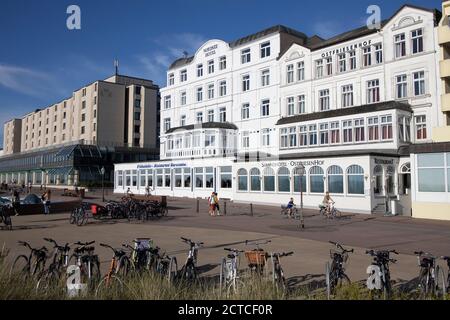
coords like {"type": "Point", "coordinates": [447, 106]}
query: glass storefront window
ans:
{"type": "Point", "coordinates": [335, 180]}
{"type": "Point", "coordinates": [226, 177]}
{"type": "Point", "coordinates": [159, 178]}
{"type": "Point", "coordinates": [149, 178]}
{"type": "Point", "coordinates": [120, 178]}
{"type": "Point", "coordinates": [187, 177]}
{"type": "Point", "coordinates": [432, 180]}
{"type": "Point", "coordinates": [178, 178]}
{"type": "Point", "coordinates": [199, 177]}
{"type": "Point", "coordinates": [255, 179]}
{"type": "Point", "coordinates": [242, 180]}
{"type": "Point", "coordinates": [167, 178]}
{"type": "Point", "coordinates": [269, 180]}
{"type": "Point", "coordinates": [355, 180]}
{"type": "Point", "coordinates": [142, 178]}
{"type": "Point", "coordinates": [316, 181]}
{"type": "Point", "coordinates": [209, 177]}
{"type": "Point", "coordinates": [284, 181]}
{"type": "Point", "coordinates": [134, 178]}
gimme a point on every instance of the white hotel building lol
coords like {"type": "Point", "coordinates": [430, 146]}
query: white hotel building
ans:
{"type": "Point", "coordinates": [241, 118]}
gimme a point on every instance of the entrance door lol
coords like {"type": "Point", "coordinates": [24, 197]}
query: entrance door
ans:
{"type": "Point", "coordinates": [405, 189]}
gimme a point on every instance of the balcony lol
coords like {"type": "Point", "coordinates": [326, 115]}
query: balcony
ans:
{"type": "Point", "coordinates": [441, 134]}
{"type": "Point", "coordinates": [444, 34]}
{"type": "Point", "coordinates": [445, 100]}
{"type": "Point", "coordinates": [445, 68]}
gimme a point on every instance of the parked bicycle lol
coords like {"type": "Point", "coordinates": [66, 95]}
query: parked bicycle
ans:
{"type": "Point", "coordinates": [80, 215]}
{"type": "Point", "coordinates": [111, 282]}
{"type": "Point", "coordinates": [5, 216]}
{"type": "Point", "coordinates": [379, 281]}
{"type": "Point", "coordinates": [31, 265]}
{"type": "Point", "coordinates": [431, 276]}
{"type": "Point", "coordinates": [56, 269]}
{"type": "Point", "coordinates": [230, 281]}
{"type": "Point", "coordinates": [277, 271]}
{"type": "Point", "coordinates": [332, 213]}
{"type": "Point", "coordinates": [257, 258]}
{"type": "Point", "coordinates": [447, 289]}
{"type": "Point", "coordinates": [189, 270]}
{"type": "Point", "coordinates": [88, 262]}
{"type": "Point", "coordinates": [335, 271]}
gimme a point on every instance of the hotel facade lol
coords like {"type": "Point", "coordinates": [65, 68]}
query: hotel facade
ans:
{"type": "Point", "coordinates": [67, 144]}
{"type": "Point", "coordinates": [277, 113]}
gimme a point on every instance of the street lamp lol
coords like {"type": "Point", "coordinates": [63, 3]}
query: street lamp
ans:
{"type": "Point", "coordinates": [301, 173]}
{"type": "Point", "coordinates": [102, 171]}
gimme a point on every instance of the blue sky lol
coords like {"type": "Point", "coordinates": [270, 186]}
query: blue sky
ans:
{"type": "Point", "coordinates": [42, 62]}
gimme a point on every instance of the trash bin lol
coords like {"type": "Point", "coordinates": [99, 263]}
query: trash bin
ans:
{"type": "Point", "coordinates": [94, 209]}
{"type": "Point", "coordinates": [394, 207]}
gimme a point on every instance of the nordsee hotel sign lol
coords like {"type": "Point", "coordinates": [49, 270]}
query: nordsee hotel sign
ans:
{"type": "Point", "coordinates": [210, 50]}
{"type": "Point", "coordinates": [161, 165]}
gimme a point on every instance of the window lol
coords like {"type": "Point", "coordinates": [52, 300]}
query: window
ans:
{"type": "Point", "coordinates": [402, 86]}
{"type": "Point", "coordinates": [167, 102]}
{"type": "Point", "coordinates": [83, 130]}
{"type": "Point", "coordinates": [246, 82]}
{"type": "Point", "coordinates": [210, 66]}
{"type": "Point", "coordinates": [210, 115]}
{"type": "Point", "coordinates": [265, 77]}
{"type": "Point", "coordinates": [347, 96]}
{"type": "Point", "coordinates": [373, 129]}
{"type": "Point", "coordinates": [316, 180]}
{"type": "Point", "coordinates": [319, 69]}
{"type": "Point", "coordinates": [120, 178]}
{"type": "Point", "coordinates": [419, 83]}
{"type": "Point", "coordinates": [183, 98]}
{"type": "Point", "coordinates": [187, 177]}
{"type": "Point", "coordinates": [284, 180]}
{"type": "Point", "coordinates": [223, 115]}
{"type": "Point", "coordinates": [335, 180]}
{"type": "Point", "coordinates": [171, 80]}
{"type": "Point", "coordinates": [386, 128]}
{"type": "Point", "coordinates": [355, 180]}
{"type": "Point", "coordinates": [324, 100]}
{"type": "Point", "coordinates": [400, 45]}
{"type": "Point", "coordinates": [301, 100]}
{"type": "Point", "coordinates": [245, 139]}
{"type": "Point", "coordinates": [209, 177]}
{"type": "Point", "coordinates": [196, 140]}
{"type": "Point", "coordinates": [255, 180]}
{"type": "Point", "coordinates": [292, 137]}
{"type": "Point", "coordinates": [269, 180]}
{"type": "Point", "coordinates": [298, 175]}
{"type": "Point", "coordinates": [312, 133]}
{"type": "Point", "coordinates": [335, 136]}
{"type": "Point", "coordinates": [421, 128]}
{"type": "Point", "coordinates": [342, 60]}
{"type": "Point", "coordinates": [199, 94]}
{"type": "Point", "coordinates": [347, 131]}
{"type": "Point", "coordinates": [352, 60]}
{"type": "Point", "coordinates": [265, 137]}
{"type": "Point", "coordinates": [199, 179]}
{"type": "Point", "coordinates": [223, 88]}
{"type": "Point", "coordinates": [329, 62]}
{"type": "Point", "coordinates": [291, 106]}
{"type": "Point", "coordinates": [290, 73]}
{"type": "Point", "coordinates": [417, 41]}
{"type": "Point", "coordinates": [245, 56]}
{"type": "Point", "coordinates": [431, 169]}
{"type": "Point", "coordinates": [183, 75]}
{"type": "Point", "coordinates": [83, 93]}
{"type": "Point", "coordinates": [199, 117]}
{"type": "Point", "coordinates": [83, 117]}
{"type": "Point", "coordinates": [265, 108]}
{"type": "Point", "coordinates": [200, 70]}
{"type": "Point", "coordinates": [178, 173]}
{"type": "Point", "coordinates": [242, 180]}
{"type": "Point", "coordinates": [245, 111]}
{"type": "Point", "coordinates": [265, 50]}
{"type": "Point", "coordinates": [187, 141]}
{"type": "Point", "coordinates": [183, 121]}
{"type": "Point", "coordinates": [211, 91]}
{"type": "Point", "coordinates": [323, 132]}
{"type": "Point", "coordinates": [359, 130]}
{"type": "Point", "coordinates": [378, 53]}
{"type": "Point", "coordinates": [83, 105]}
{"type": "Point", "coordinates": [301, 71]}
{"type": "Point", "coordinates": [373, 91]}
{"type": "Point", "coordinates": [166, 124]}
{"type": "Point", "coordinates": [367, 56]}
{"type": "Point", "coordinates": [222, 63]}
{"type": "Point", "coordinates": [226, 177]}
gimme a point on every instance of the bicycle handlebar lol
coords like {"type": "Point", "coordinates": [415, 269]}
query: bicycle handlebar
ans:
{"type": "Point", "coordinates": [233, 250]}
{"type": "Point", "coordinates": [192, 242]}
{"type": "Point", "coordinates": [283, 254]}
{"type": "Point", "coordinates": [342, 248]}
{"type": "Point", "coordinates": [56, 245]}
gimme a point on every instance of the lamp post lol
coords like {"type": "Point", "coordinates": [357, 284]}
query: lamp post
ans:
{"type": "Point", "coordinates": [301, 173]}
{"type": "Point", "coordinates": [102, 170]}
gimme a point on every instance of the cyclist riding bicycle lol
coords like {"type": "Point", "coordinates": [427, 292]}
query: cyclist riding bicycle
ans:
{"type": "Point", "coordinates": [290, 206]}
{"type": "Point", "coordinates": [328, 203]}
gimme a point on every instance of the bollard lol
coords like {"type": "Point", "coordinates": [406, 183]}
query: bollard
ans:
{"type": "Point", "coordinates": [251, 209]}
{"type": "Point", "coordinates": [225, 208]}
{"type": "Point", "coordinates": [198, 205]}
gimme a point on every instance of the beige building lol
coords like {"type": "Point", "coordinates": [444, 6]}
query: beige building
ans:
{"type": "Point", "coordinates": [118, 111]}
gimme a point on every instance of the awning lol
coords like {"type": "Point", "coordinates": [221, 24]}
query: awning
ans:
{"type": "Point", "coordinates": [66, 152]}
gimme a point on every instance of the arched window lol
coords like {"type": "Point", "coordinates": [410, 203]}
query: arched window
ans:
{"type": "Point", "coordinates": [355, 179]}
{"type": "Point", "coordinates": [269, 180]}
{"type": "Point", "coordinates": [242, 180]}
{"type": "Point", "coordinates": [378, 179]}
{"type": "Point", "coordinates": [284, 180]}
{"type": "Point", "coordinates": [406, 168]}
{"type": "Point", "coordinates": [299, 174]}
{"type": "Point", "coordinates": [316, 183]}
{"type": "Point", "coordinates": [255, 180]}
{"type": "Point", "coordinates": [335, 180]}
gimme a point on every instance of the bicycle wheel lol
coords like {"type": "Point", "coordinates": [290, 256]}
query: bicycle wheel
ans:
{"type": "Point", "coordinates": [47, 280]}
{"type": "Point", "coordinates": [189, 273]}
{"type": "Point", "coordinates": [223, 279]}
{"type": "Point", "coordinates": [423, 284]}
{"type": "Point", "coordinates": [173, 269]}
{"type": "Point", "coordinates": [110, 287]}
{"type": "Point", "coordinates": [73, 216]}
{"type": "Point", "coordinates": [387, 289]}
{"type": "Point", "coordinates": [124, 266]}
{"type": "Point", "coordinates": [441, 286]}
{"type": "Point", "coordinates": [20, 267]}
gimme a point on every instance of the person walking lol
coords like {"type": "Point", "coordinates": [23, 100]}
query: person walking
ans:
{"type": "Point", "coordinates": [29, 187]}
{"type": "Point", "coordinates": [46, 198]}
{"type": "Point", "coordinates": [216, 200]}
{"type": "Point", "coordinates": [212, 205]}
{"type": "Point", "coordinates": [16, 202]}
